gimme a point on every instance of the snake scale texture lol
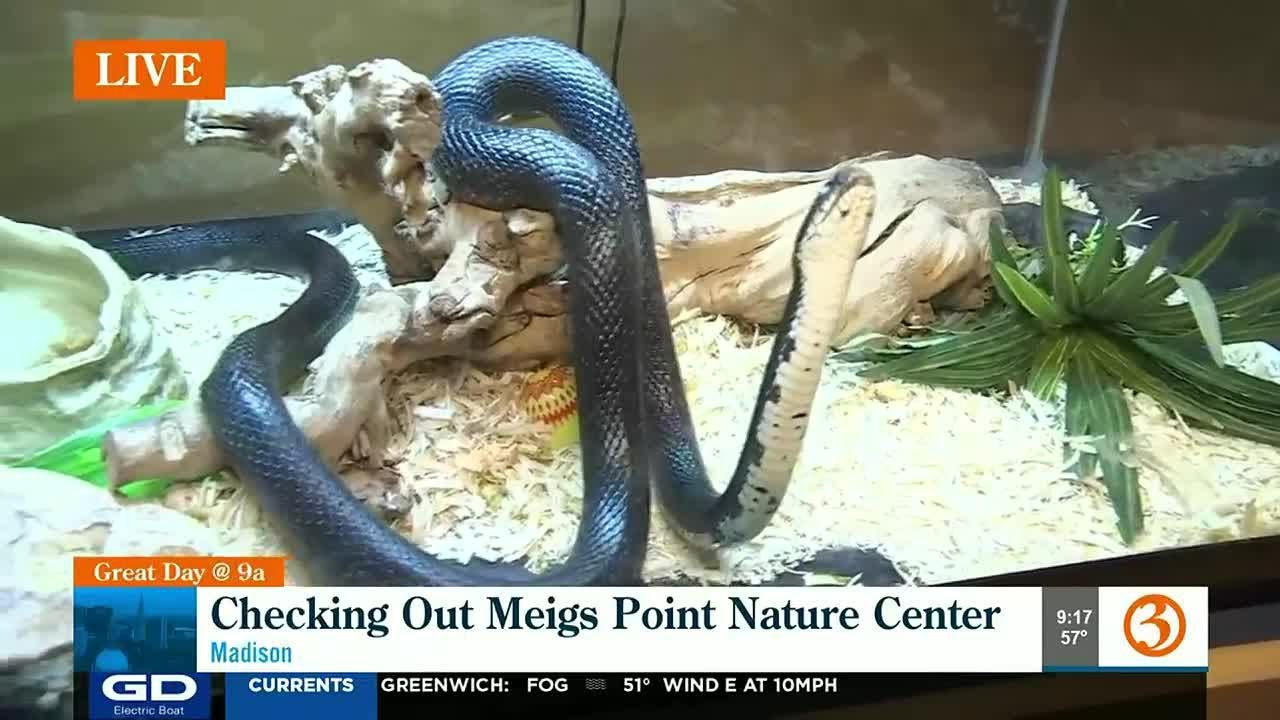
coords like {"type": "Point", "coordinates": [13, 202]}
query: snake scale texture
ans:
{"type": "Point", "coordinates": [636, 430]}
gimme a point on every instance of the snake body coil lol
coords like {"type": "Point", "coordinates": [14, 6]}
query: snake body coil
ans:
{"type": "Point", "coordinates": [635, 424]}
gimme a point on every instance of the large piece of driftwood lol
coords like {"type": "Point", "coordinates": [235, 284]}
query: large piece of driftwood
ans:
{"type": "Point", "coordinates": [480, 284]}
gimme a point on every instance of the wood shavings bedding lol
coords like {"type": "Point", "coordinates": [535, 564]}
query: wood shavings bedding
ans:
{"type": "Point", "coordinates": [947, 484]}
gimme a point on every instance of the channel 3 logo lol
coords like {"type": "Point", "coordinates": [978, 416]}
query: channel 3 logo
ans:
{"type": "Point", "coordinates": [1155, 625]}
{"type": "Point", "coordinates": [157, 695]}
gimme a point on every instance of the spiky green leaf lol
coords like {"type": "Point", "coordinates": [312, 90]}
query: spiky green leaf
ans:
{"type": "Point", "coordinates": [1033, 299]}
{"type": "Point", "coordinates": [1190, 400]}
{"type": "Point", "coordinates": [993, 341]}
{"type": "Point", "coordinates": [1076, 422]}
{"type": "Point", "coordinates": [1107, 413]}
{"type": "Point", "coordinates": [1164, 286]}
{"type": "Point", "coordinates": [1221, 399]}
{"type": "Point", "coordinates": [1098, 270]}
{"type": "Point", "coordinates": [1122, 296]}
{"type": "Point", "coordinates": [1000, 255]}
{"type": "Point", "coordinates": [990, 376]}
{"type": "Point", "coordinates": [1121, 357]}
{"type": "Point", "coordinates": [1206, 315]}
{"type": "Point", "coordinates": [1226, 388]}
{"type": "Point", "coordinates": [1049, 365]}
{"type": "Point", "coordinates": [1171, 321]}
{"type": "Point", "coordinates": [1251, 329]}
{"type": "Point", "coordinates": [1052, 232]}
{"type": "Point", "coordinates": [879, 348]}
{"type": "Point", "coordinates": [1244, 315]}
{"type": "Point", "coordinates": [1059, 274]}
{"type": "Point", "coordinates": [1262, 296]}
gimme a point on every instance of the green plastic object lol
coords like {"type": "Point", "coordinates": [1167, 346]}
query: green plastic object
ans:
{"type": "Point", "coordinates": [80, 454]}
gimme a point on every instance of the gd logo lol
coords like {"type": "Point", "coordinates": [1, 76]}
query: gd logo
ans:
{"type": "Point", "coordinates": [1169, 639]}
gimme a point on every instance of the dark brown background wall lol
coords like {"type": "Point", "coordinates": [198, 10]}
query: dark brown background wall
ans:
{"type": "Point", "coordinates": [769, 84]}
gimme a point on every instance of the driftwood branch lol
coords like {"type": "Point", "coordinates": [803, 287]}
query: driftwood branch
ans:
{"type": "Point", "coordinates": [478, 284]}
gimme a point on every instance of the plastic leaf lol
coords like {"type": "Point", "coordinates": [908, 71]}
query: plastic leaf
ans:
{"type": "Point", "coordinates": [1122, 296]}
{"type": "Point", "coordinates": [1060, 275]}
{"type": "Point", "coordinates": [1098, 271]}
{"type": "Point", "coordinates": [1162, 287]}
{"type": "Point", "coordinates": [1107, 413]}
{"type": "Point", "coordinates": [974, 376]}
{"type": "Point", "coordinates": [1239, 330]}
{"type": "Point", "coordinates": [1205, 313]}
{"type": "Point", "coordinates": [1262, 296]}
{"type": "Point", "coordinates": [1223, 387]}
{"type": "Point", "coordinates": [1049, 367]}
{"type": "Point", "coordinates": [1076, 424]}
{"type": "Point", "coordinates": [1124, 361]}
{"type": "Point", "coordinates": [1032, 298]}
{"type": "Point", "coordinates": [989, 342]}
{"type": "Point", "coordinates": [1000, 255]}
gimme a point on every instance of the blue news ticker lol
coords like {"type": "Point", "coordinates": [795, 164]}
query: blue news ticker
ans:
{"type": "Point", "coordinates": [351, 696]}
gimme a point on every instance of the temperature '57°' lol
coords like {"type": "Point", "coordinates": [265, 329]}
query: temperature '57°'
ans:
{"type": "Point", "coordinates": [1073, 637]}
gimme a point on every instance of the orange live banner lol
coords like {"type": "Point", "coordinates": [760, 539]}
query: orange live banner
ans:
{"type": "Point", "coordinates": [150, 69]}
{"type": "Point", "coordinates": [179, 571]}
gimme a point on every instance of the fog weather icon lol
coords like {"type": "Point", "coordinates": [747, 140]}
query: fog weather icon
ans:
{"type": "Point", "coordinates": [596, 683]}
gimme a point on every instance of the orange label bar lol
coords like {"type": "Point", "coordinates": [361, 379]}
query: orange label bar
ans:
{"type": "Point", "coordinates": [149, 69]}
{"type": "Point", "coordinates": [178, 571]}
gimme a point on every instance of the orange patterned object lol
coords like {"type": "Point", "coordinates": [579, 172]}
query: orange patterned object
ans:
{"type": "Point", "coordinates": [551, 398]}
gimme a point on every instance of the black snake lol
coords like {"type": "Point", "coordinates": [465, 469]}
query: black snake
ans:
{"type": "Point", "coordinates": [636, 430]}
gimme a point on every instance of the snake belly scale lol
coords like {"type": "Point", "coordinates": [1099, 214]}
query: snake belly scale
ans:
{"type": "Point", "coordinates": [636, 428]}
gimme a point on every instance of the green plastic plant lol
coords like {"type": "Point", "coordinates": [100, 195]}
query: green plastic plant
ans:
{"type": "Point", "coordinates": [1098, 328]}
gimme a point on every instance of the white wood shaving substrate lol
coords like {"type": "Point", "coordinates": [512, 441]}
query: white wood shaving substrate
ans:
{"type": "Point", "coordinates": [947, 484]}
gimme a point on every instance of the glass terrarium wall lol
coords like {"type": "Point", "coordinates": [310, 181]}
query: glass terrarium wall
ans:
{"type": "Point", "coordinates": [116, 164]}
{"type": "Point", "coordinates": [1165, 109]}
{"type": "Point", "coordinates": [766, 85]}
{"type": "Point", "coordinates": [731, 83]}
